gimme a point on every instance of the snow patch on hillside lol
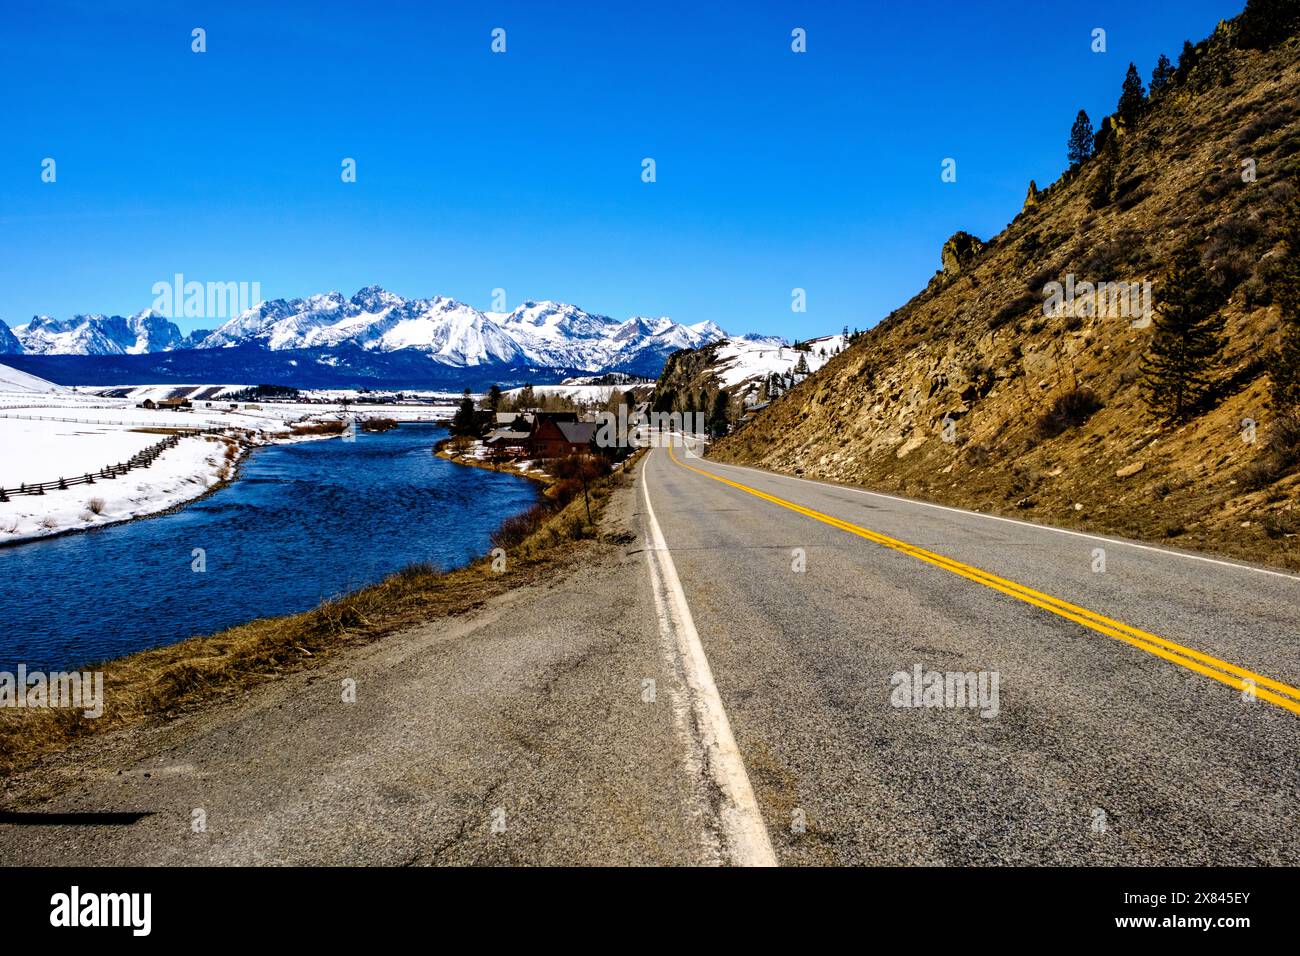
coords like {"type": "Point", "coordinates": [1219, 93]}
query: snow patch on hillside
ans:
{"type": "Point", "coordinates": [12, 380]}
{"type": "Point", "coordinates": [750, 359]}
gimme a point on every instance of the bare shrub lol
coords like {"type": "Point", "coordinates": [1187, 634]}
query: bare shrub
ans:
{"type": "Point", "coordinates": [319, 428]}
{"type": "Point", "coordinates": [565, 490]}
{"type": "Point", "coordinates": [1069, 410]}
{"type": "Point", "coordinates": [1014, 309]}
{"type": "Point", "coordinates": [1281, 524]}
{"type": "Point", "coordinates": [517, 529]}
{"type": "Point", "coordinates": [1264, 123]}
{"type": "Point", "coordinates": [577, 466]}
{"type": "Point", "coordinates": [96, 506]}
{"type": "Point", "coordinates": [1280, 455]}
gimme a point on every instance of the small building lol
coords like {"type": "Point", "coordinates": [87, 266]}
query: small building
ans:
{"type": "Point", "coordinates": [552, 438]}
{"type": "Point", "coordinates": [507, 441]}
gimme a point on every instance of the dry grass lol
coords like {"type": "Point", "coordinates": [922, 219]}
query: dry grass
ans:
{"type": "Point", "coordinates": [160, 684]}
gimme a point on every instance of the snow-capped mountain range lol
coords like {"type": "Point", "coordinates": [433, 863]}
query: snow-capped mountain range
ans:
{"type": "Point", "coordinates": [451, 333]}
{"type": "Point", "coordinates": [139, 334]}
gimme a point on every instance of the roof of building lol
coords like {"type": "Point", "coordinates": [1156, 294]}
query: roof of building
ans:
{"type": "Point", "coordinates": [580, 433]}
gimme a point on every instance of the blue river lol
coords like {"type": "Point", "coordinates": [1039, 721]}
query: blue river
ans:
{"type": "Point", "coordinates": [303, 523]}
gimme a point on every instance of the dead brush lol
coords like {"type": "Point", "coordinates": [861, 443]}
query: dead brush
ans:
{"type": "Point", "coordinates": [1278, 457]}
{"type": "Point", "coordinates": [319, 428]}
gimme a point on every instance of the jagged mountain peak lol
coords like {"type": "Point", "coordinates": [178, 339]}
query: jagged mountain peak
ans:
{"type": "Point", "coordinates": [542, 333]}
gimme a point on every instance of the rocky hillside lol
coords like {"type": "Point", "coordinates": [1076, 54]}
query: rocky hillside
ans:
{"type": "Point", "coordinates": [971, 395]}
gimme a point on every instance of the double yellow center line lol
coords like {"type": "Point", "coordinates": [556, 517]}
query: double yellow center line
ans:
{"type": "Point", "coordinates": [1265, 688]}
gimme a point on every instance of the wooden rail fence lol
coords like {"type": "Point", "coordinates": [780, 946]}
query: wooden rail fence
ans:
{"type": "Point", "coordinates": [141, 459]}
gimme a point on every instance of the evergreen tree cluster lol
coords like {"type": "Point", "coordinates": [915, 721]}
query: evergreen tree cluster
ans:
{"type": "Point", "coordinates": [1187, 338]}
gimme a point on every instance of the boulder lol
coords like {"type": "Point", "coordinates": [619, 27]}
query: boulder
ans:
{"type": "Point", "coordinates": [959, 252]}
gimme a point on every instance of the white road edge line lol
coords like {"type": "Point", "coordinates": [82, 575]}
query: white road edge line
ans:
{"type": "Point", "coordinates": [1024, 524]}
{"type": "Point", "coordinates": [743, 828]}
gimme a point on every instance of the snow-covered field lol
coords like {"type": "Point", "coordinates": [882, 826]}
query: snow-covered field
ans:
{"type": "Point", "coordinates": [48, 432]}
{"type": "Point", "coordinates": [12, 380]}
{"type": "Point", "coordinates": [176, 476]}
{"type": "Point", "coordinates": [38, 451]}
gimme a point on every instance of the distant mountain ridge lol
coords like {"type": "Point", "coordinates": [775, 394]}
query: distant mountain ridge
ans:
{"type": "Point", "coordinates": [535, 334]}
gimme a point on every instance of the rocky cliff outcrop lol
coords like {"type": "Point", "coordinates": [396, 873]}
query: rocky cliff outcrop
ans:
{"type": "Point", "coordinates": [959, 252]}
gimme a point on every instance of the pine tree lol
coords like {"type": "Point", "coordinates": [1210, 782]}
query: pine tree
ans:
{"type": "Point", "coordinates": [719, 418]}
{"type": "Point", "coordinates": [1132, 97]}
{"type": "Point", "coordinates": [1162, 74]}
{"type": "Point", "coordinates": [1079, 146]}
{"type": "Point", "coordinates": [1265, 23]}
{"type": "Point", "coordinates": [1286, 291]}
{"type": "Point", "coordinates": [801, 367]}
{"type": "Point", "coordinates": [1186, 340]}
{"type": "Point", "coordinates": [493, 400]}
{"type": "Point", "coordinates": [465, 421]}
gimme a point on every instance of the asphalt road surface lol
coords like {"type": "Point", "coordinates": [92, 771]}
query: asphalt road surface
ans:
{"type": "Point", "coordinates": [759, 670]}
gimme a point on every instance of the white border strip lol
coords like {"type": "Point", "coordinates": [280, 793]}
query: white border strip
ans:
{"type": "Point", "coordinates": [742, 822]}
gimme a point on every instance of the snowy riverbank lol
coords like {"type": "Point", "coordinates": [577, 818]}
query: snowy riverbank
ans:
{"type": "Point", "coordinates": [49, 433]}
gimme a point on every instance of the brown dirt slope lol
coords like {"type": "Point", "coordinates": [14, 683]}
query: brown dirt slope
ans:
{"type": "Point", "coordinates": [976, 348]}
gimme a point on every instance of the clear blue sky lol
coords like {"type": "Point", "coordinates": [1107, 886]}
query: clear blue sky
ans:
{"type": "Point", "coordinates": [523, 170]}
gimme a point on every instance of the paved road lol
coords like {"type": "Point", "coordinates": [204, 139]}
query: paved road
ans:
{"type": "Point", "coordinates": [777, 619]}
{"type": "Point", "coordinates": [1101, 751]}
